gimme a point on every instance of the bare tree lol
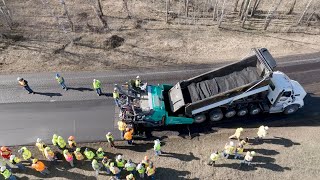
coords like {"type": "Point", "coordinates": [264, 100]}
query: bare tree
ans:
{"type": "Point", "coordinates": [66, 13]}
{"type": "Point", "coordinates": [255, 7]}
{"type": "Point", "coordinates": [270, 15]}
{"type": "Point", "coordinates": [100, 7]}
{"type": "Point", "coordinates": [125, 7]}
{"type": "Point", "coordinates": [244, 10]}
{"type": "Point", "coordinates": [6, 14]}
{"type": "Point", "coordinates": [292, 7]}
{"type": "Point", "coordinates": [215, 10]}
{"type": "Point", "coordinates": [186, 4]}
{"type": "Point", "coordinates": [99, 14]}
{"type": "Point", "coordinates": [310, 17]}
{"type": "Point", "coordinates": [304, 12]}
{"type": "Point", "coordinates": [241, 8]}
{"type": "Point", "coordinates": [235, 6]}
{"type": "Point", "coordinates": [246, 14]}
{"type": "Point", "coordinates": [167, 10]}
{"type": "Point", "coordinates": [222, 13]}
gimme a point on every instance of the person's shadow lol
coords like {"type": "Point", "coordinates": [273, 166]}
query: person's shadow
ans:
{"type": "Point", "coordinates": [82, 89]}
{"type": "Point", "coordinates": [280, 141]}
{"type": "Point", "coordinates": [48, 94]}
{"type": "Point", "coordinates": [181, 157]}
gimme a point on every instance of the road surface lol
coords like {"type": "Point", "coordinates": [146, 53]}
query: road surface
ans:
{"type": "Point", "coordinates": [82, 113]}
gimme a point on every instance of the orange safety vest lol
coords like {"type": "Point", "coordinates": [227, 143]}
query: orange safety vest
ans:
{"type": "Point", "coordinates": [39, 166]}
{"type": "Point", "coordinates": [128, 135]}
{"type": "Point", "coordinates": [79, 156]}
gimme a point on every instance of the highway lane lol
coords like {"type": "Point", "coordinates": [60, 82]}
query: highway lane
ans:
{"type": "Point", "coordinates": [89, 119]}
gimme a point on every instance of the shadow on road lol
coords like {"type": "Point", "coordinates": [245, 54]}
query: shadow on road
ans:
{"type": "Point", "coordinates": [48, 94]}
{"type": "Point", "coordinates": [269, 152]}
{"type": "Point", "coordinates": [82, 89]}
{"type": "Point", "coordinates": [181, 157]}
{"type": "Point", "coordinates": [140, 147]}
{"type": "Point", "coordinates": [270, 166]}
{"type": "Point", "coordinates": [280, 141]}
{"type": "Point", "coordinates": [168, 174]}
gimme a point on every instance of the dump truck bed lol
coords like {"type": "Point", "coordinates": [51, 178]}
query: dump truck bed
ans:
{"type": "Point", "coordinates": [221, 82]}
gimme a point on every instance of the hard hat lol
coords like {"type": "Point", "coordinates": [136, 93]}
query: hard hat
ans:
{"type": "Point", "coordinates": [57, 75]}
{"type": "Point", "coordinates": [130, 176]}
{"type": "Point", "coordinates": [38, 140]}
{"type": "Point", "coordinates": [266, 127]}
{"type": "Point", "coordinates": [78, 149]}
{"type": "Point", "coordinates": [138, 77]}
{"type": "Point", "coordinates": [19, 79]}
{"type": "Point", "coordinates": [94, 161]}
{"type": "Point", "coordinates": [115, 89]}
{"type": "Point", "coordinates": [109, 133]}
{"type": "Point", "coordinates": [156, 141]}
{"type": "Point", "coordinates": [100, 149]}
{"type": "Point", "coordinates": [112, 164]}
{"type": "Point", "coordinates": [34, 161]}
{"type": "Point", "coordinates": [139, 166]}
{"type": "Point", "coordinates": [12, 157]}
{"type": "Point", "coordinates": [20, 151]}
{"type": "Point", "coordinates": [94, 80]}
{"type": "Point", "coordinates": [231, 143]}
{"type": "Point", "coordinates": [65, 151]}
{"type": "Point", "coordinates": [55, 136]}
{"type": "Point", "coordinates": [47, 148]}
{"type": "Point", "coordinates": [71, 138]}
{"type": "Point", "coordinates": [130, 161]}
{"type": "Point", "coordinates": [146, 158]}
{"type": "Point", "coordinates": [241, 129]}
{"type": "Point", "coordinates": [86, 149]}
{"type": "Point", "coordinates": [3, 168]}
{"type": "Point", "coordinates": [119, 157]}
{"type": "Point", "coordinates": [3, 148]}
{"type": "Point", "coordinates": [252, 153]}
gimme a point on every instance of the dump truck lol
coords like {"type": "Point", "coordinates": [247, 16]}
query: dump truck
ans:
{"type": "Point", "coordinates": [247, 87]}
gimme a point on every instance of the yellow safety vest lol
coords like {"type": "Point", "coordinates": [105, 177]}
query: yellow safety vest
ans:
{"type": "Point", "coordinates": [115, 95]}
{"type": "Point", "coordinates": [120, 164]}
{"type": "Point", "coordinates": [138, 82]}
{"type": "Point", "coordinates": [150, 171]}
{"type": "Point", "coordinates": [6, 173]}
{"type": "Point", "coordinates": [59, 79]}
{"type": "Point", "coordinates": [96, 84]}
{"type": "Point", "coordinates": [26, 154]}
{"type": "Point", "coordinates": [78, 155]}
{"type": "Point", "coordinates": [214, 157]}
{"type": "Point", "coordinates": [122, 125]}
{"type": "Point", "coordinates": [141, 170]}
{"type": "Point", "coordinates": [239, 150]}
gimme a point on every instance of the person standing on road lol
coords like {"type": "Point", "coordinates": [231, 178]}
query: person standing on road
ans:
{"type": "Point", "coordinates": [120, 162]}
{"type": "Point", "coordinates": [17, 162]}
{"type": "Point", "coordinates": [141, 170]}
{"type": "Point", "coordinates": [157, 147]}
{"type": "Point", "coordinates": [96, 166]}
{"type": "Point", "coordinates": [110, 139]}
{"type": "Point", "coordinates": [248, 158]}
{"type": "Point", "coordinates": [115, 170]}
{"type": "Point", "coordinates": [130, 166]}
{"type": "Point", "coordinates": [228, 149]}
{"type": "Point", "coordinates": [116, 96]}
{"type": "Point", "coordinates": [106, 164]}
{"type": "Point", "coordinates": [213, 158]}
{"type": "Point", "coordinates": [6, 173]}
{"type": "Point", "coordinates": [79, 156]}
{"type": "Point", "coordinates": [50, 156]}
{"type": "Point", "coordinates": [100, 153]}
{"type": "Point", "coordinates": [55, 140]}
{"type": "Point", "coordinates": [72, 143]}
{"type": "Point", "coordinates": [25, 85]}
{"type": "Point", "coordinates": [128, 136]}
{"type": "Point", "coordinates": [122, 127]}
{"type": "Point", "coordinates": [262, 132]}
{"type": "Point", "coordinates": [61, 143]}
{"type": "Point", "coordinates": [130, 177]}
{"type": "Point", "coordinates": [137, 82]}
{"type": "Point", "coordinates": [26, 154]}
{"type": "Point", "coordinates": [237, 134]}
{"type": "Point", "coordinates": [89, 154]}
{"type": "Point", "coordinates": [40, 167]}
{"type": "Point", "coordinates": [97, 86]}
{"type": "Point", "coordinates": [5, 152]}
{"type": "Point", "coordinates": [41, 145]}
{"type": "Point", "coordinates": [146, 161]}
{"type": "Point", "coordinates": [238, 151]}
{"type": "Point", "coordinates": [68, 157]}
{"type": "Point", "coordinates": [151, 170]}
{"type": "Point", "coordinates": [61, 81]}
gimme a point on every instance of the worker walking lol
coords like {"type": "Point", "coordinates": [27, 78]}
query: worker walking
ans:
{"type": "Point", "coordinates": [237, 134]}
{"type": "Point", "coordinates": [50, 156]}
{"type": "Point", "coordinates": [157, 147]}
{"type": "Point", "coordinates": [262, 132]}
{"type": "Point", "coordinates": [72, 143]}
{"type": "Point", "coordinates": [110, 139]}
{"type": "Point", "coordinates": [89, 154]}
{"type": "Point", "coordinates": [248, 158]}
{"type": "Point", "coordinates": [61, 143]}
{"type": "Point", "coordinates": [97, 86]}
{"type": "Point", "coordinates": [228, 149]}
{"type": "Point", "coordinates": [26, 154]}
{"type": "Point", "coordinates": [116, 96]}
{"type": "Point", "coordinates": [55, 140]}
{"type": "Point", "coordinates": [141, 170]}
{"type": "Point", "coordinates": [40, 167]}
{"type": "Point", "coordinates": [96, 166]}
{"type": "Point", "coordinates": [68, 157]}
{"type": "Point", "coordinates": [5, 152]}
{"type": "Point", "coordinates": [130, 166]}
{"type": "Point", "coordinates": [17, 162]}
{"type": "Point", "coordinates": [213, 158]}
{"type": "Point", "coordinates": [115, 170]}
{"type": "Point", "coordinates": [41, 145]}
{"type": "Point", "coordinates": [122, 127]}
{"type": "Point", "coordinates": [106, 164]}
{"type": "Point", "coordinates": [79, 156]}
{"type": "Point", "coordinates": [7, 174]}
{"type": "Point", "coordinates": [25, 85]}
{"type": "Point", "coordinates": [130, 177]}
{"type": "Point", "coordinates": [238, 151]}
{"type": "Point", "coordinates": [128, 136]}
{"type": "Point", "coordinates": [100, 153]}
{"type": "Point", "coordinates": [151, 170]}
{"type": "Point", "coordinates": [146, 161]}
{"type": "Point", "coordinates": [120, 162]}
{"type": "Point", "coordinates": [61, 81]}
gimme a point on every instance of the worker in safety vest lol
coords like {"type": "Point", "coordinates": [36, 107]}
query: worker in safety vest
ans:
{"type": "Point", "coordinates": [238, 151]}
{"type": "Point", "coordinates": [100, 153]}
{"type": "Point", "coordinates": [130, 177]}
{"type": "Point", "coordinates": [130, 166]}
{"type": "Point", "coordinates": [68, 157]}
{"type": "Point", "coordinates": [96, 166]}
{"type": "Point", "coordinates": [146, 161]}
{"type": "Point", "coordinates": [262, 132]}
{"type": "Point", "coordinates": [115, 170]}
{"type": "Point", "coordinates": [128, 136]}
{"type": "Point", "coordinates": [157, 147]}
{"type": "Point", "coordinates": [61, 143]}
{"type": "Point", "coordinates": [248, 158]}
{"type": "Point", "coordinates": [97, 86]}
{"type": "Point", "coordinates": [141, 170]}
{"type": "Point", "coordinates": [6, 173]}
{"type": "Point", "coordinates": [26, 154]}
{"type": "Point", "coordinates": [122, 127]}
{"type": "Point", "coordinates": [106, 164]}
{"type": "Point", "coordinates": [40, 167]}
{"type": "Point", "coordinates": [151, 170]}
{"type": "Point", "coordinates": [245, 141]}
{"type": "Point", "coordinates": [55, 140]}
{"type": "Point", "coordinates": [138, 82]}
{"type": "Point", "coordinates": [110, 139]}
{"type": "Point", "coordinates": [237, 134]}
{"type": "Point", "coordinates": [120, 162]}
{"type": "Point", "coordinates": [79, 156]}
{"type": "Point", "coordinates": [50, 156]}
{"type": "Point", "coordinates": [228, 149]}
{"type": "Point", "coordinates": [213, 158]}
{"type": "Point", "coordinates": [17, 162]}
{"type": "Point", "coordinates": [5, 152]}
{"type": "Point", "coordinates": [89, 154]}
{"type": "Point", "coordinates": [41, 145]}
{"type": "Point", "coordinates": [72, 143]}
{"type": "Point", "coordinates": [25, 85]}
{"type": "Point", "coordinates": [61, 81]}
{"type": "Point", "coordinates": [116, 96]}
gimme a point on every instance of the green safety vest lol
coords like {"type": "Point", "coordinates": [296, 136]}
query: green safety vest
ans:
{"type": "Point", "coordinates": [26, 154]}
{"type": "Point", "coordinates": [130, 167]}
{"type": "Point", "coordinates": [61, 143]}
{"type": "Point", "coordinates": [142, 170]}
{"type": "Point", "coordinates": [96, 166]}
{"type": "Point", "coordinates": [89, 154]}
{"type": "Point", "coordinates": [59, 79]}
{"type": "Point", "coordinates": [109, 138]}
{"type": "Point", "coordinates": [157, 147]}
{"type": "Point", "coordinates": [96, 84]}
{"type": "Point", "coordinates": [107, 164]}
{"type": "Point", "coordinates": [138, 82]}
{"type": "Point", "coordinates": [116, 95]}
{"type": "Point", "coordinates": [6, 174]}
{"type": "Point", "coordinates": [214, 157]}
{"type": "Point", "coordinates": [120, 164]}
{"type": "Point", "coordinates": [100, 154]}
{"type": "Point", "coordinates": [15, 160]}
{"type": "Point", "coordinates": [54, 141]}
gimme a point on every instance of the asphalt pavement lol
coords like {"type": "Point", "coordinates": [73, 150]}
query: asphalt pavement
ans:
{"type": "Point", "coordinates": [80, 112]}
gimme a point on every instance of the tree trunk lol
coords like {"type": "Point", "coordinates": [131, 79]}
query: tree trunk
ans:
{"type": "Point", "coordinates": [100, 17]}
{"type": "Point", "coordinates": [187, 7]}
{"type": "Point", "coordinates": [292, 7]}
{"type": "Point", "coordinates": [309, 18]}
{"type": "Point", "coordinates": [245, 7]}
{"type": "Point", "coordinates": [270, 15]}
{"type": "Point", "coordinates": [7, 19]}
{"type": "Point", "coordinates": [235, 6]}
{"type": "Point", "coordinates": [246, 13]}
{"type": "Point", "coordinates": [66, 13]}
{"type": "Point", "coordinates": [304, 12]}
{"type": "Point", "coordinates": [125, 6]}
{"type": "Point", "coordinates": [100, 7]}
{"type": "Point", "coordinates": [255, 7]}
{"type": "Point", "coordinates": [167, 10]}
{"type": "Point", "coordinates": [241, 8]}
{"type": "Point", "coordinates": [222, 13]}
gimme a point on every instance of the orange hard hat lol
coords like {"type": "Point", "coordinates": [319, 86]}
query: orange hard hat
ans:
{"type": "Point", "coordinates": [71, 138]}
{"type": "Point", "coordinates": [3, 148]}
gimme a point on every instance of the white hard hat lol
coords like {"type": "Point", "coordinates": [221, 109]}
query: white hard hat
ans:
{"type": "Point", "coordinates": [3, 168]}
{"type": "Point", "coordinates": [115, 89]}
{"type": "Point", "coordinates": [38, 140]}
{"type": "Point", "coordinates": [138, 77]}
{"type": "Point", "coordinates": [231, 143]}
{"type": "Point", "coordinates": [241, 129]}
{"type": "Point", "coordinates": [139, 166]}
{"type": "Point", "coordinates": [19, 79]}
{"type": "Point", "coordinates": [266, 127]}
{"type": "Point", "coordinates": [119, 157]}
{"type": "Point", "coordinates": [157, 141]}
{"type": "Point", "coordinates": [94, 79]}
{"type": "Point", "coordinates": [252, 153]}
{"type": "Point", "coordinates": [12, 157]}
{"type": "Point", "coordinates": [109, 133]}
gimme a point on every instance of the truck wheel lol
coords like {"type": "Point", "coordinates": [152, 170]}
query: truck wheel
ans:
{"type": "Point", "coordinates": [291, 109]}
{"type": "Point", "coordinates": [200, 118]}
{"type": "Point", "coordinates": [254, 110]}
{"type": "Point", "coordinates": [216, 115]}
{"type": "Point", "coordinates": [230, 113]}
{"type": "Point", "coordinates": [242, 112]}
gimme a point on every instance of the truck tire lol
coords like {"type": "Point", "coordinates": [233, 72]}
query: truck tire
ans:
{"type": "Point", "coordinates": [254, 110]}
{"type": "Point", "coordinates": [200, 118]}
{"type": "Point", "coordinates": [216, 115]}
{"type": "Point", "coordinates": [230, 113]}
{"type": "Point", "coordinates": [291, 109]}
{"type": "Point", "coordinates": [242, 112]}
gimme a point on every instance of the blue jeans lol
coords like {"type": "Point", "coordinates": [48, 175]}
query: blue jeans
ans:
{"type": "Point", "coordinates": [63, 85]}
{"type": "Point", "coordinates": [236, 155]}
{"type": "Point", "coordinates": [157, 153]}
{"type": "Point", "coordinates": [226, 155]}
{"type": "Point", "coordinates": [151, 177]}
{"type": "Point", "coordinates": [28, 88]}
{"type": "Point", "coordinates": [107, 170]}
{"type": "Point", "coordinates": [12, 177]}
{"type": "Point", "coordinates": [117, 102]}
{"type": "Point", "coordinates": [129, 142]}
{"type": "Point", "coordinates": [98, 90]}
{"type": "Point", "coordinates": [45, 171]}
{"type": "Point", "coordinates": [21, 166]}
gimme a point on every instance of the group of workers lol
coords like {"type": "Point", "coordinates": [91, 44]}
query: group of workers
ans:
{"type": "Point", "coordinates": [238, 150]}
{"type": "Point", "coordinates": [72, 154]}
